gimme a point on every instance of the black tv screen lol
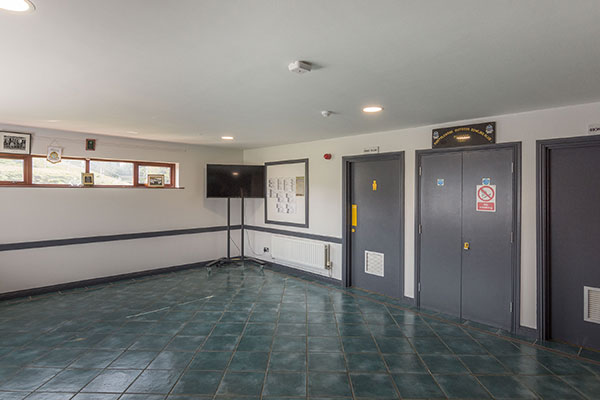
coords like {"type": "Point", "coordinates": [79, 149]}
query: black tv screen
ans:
{"type": "Point", "coordinates": [235, 180]}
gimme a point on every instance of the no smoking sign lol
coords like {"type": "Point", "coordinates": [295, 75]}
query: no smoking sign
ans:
{"type": "Point", "coordinates": [486, 198]}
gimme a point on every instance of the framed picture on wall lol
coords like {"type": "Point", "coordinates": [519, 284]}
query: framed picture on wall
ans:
{"type": "Point", "coordinates": [90, 144]}
{"type": "Point", "coordinates": [87, 179]}
{"type": "Point", "coordinates": [286, 193]}
{"type": "Point", "coordinates": [15, 143]}
{"type": "Point", "coordinates": [155, 181]}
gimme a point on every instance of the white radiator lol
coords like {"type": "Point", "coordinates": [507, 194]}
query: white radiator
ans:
{"type": "Point", "coordinates": [301, 251]}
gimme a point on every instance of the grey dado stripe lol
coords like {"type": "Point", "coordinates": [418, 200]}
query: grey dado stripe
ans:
{"type": "Point", "coordinates": [144, 235]}
{"type": "Point", "coordinates": [109, 238]}
{"type": "Point", "coordinates": [330, 239]}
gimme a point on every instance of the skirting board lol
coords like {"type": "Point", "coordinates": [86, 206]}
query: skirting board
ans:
{"type": "Point", "coordinates": [409, 300]}
{"type": "Point", "coordinates": [527, 332]}
{"type": "Point", "coordinates": [302, 274]}
{"type": "Point", "coordinates": [139, 274]}
{"type": "Point", "coordinates": [97, 281]}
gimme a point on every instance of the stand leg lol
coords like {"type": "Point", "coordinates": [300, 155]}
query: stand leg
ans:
{"type": "Point", "coordinates": [228, 228]}
{"type": "Point", "coordinates": [242, 230]}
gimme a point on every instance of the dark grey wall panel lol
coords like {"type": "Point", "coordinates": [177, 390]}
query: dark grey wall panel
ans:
{"type": "Point", "coordinates": [574, 229]}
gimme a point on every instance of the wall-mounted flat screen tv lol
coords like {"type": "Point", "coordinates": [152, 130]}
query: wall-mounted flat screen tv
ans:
{"type": "Point", "coordinates": [224, 181]}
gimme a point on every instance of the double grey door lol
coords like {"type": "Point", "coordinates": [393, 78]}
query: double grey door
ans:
{"type": "Point", "coordinates": [375, 236]}
{"type": "Point", "coordinates": [466, 234]}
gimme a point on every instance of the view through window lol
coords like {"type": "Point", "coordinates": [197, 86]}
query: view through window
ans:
{"type": "Point", "coordinates": [112, 173]}
{"type": "Point", "coordinates": [66, 172]}
{"type": "Point", "coordinates": [12, 170]}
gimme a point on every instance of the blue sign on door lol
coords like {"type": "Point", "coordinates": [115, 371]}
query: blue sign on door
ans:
{"type": "Point", "coordinates": [440, 182]}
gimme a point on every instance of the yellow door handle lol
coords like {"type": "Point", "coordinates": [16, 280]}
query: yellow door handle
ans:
{"type": "Point", "coordinates": [354, 214]}
{"type": "Point", "coordinates": [467, 246]}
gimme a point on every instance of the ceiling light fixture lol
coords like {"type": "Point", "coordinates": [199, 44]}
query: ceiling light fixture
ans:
{"type": "Point", "coordinates": [17, 6]}
{"type": "Point", "coordinates": [227, 137]}
{"type": "Point", "coordinates": [372, 109]}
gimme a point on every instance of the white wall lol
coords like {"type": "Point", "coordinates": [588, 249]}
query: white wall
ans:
{"type": "Point", "coordinates": [326, 181]}
{"type": "Point", "coordinates": [31, 214]}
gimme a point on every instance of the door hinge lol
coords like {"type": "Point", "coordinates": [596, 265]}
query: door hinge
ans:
{"type": "Point", "coordinates": [420, 229]}
{"type": "Point", "coordinates": [420, 170]}
{"type": "Point", "coordinates": [511, 306]}
{"type": "Point", "coordinates": [419, 287]}
{"type": "Point", "coordinates": [512, 237]}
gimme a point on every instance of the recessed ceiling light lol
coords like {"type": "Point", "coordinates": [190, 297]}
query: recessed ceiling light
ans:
{"type": "Point", "coordinates": [17, 6]}
{"type": "Point", "coordinates": [372, 109]}
{"type": "Point", "coordinates": [53, 120]}
{"type": "Point", "coordinates": [227, 137]}
{"type": "Point", "coordinates": [133, 132]}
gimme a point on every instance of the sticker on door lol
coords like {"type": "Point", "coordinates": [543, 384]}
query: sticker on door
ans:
{"type": "Point", "coordinates": [486, 198]}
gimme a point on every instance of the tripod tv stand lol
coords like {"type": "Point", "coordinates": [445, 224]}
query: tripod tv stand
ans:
{"type": "Point", "coordinates": [228, 260]}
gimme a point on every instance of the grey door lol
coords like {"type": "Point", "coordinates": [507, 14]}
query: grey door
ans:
{"type": "Point", "coordinates": [472, 282]}
{"type": "Point", "coordinates": [574, 253]}
{"type": "Point", "coordinates": [441, 216]}
{"type": "Point", "coordinates": [487, 264]}
{"type": "Point", "coordinates": [375, 192]}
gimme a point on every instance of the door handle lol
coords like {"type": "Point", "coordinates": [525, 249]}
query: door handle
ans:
{"type": "Point", "coordinates": [466, 246]}
{"type": "Point", "coordinates": [354, 216]}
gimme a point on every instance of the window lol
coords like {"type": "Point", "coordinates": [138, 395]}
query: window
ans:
{"type": "Point", "coordinates": [160, 169]}
{"type": "Point", "coordinates": [112, 173]}
{"type": "Point", "coordinates": [35, 170]}
{"type": "Point", "coordinates": [12, 170]}
{"type": "Point", "coordinates": [66, 172]}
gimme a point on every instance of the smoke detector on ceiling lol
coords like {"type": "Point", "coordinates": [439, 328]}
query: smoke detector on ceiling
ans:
{"type": "Point", "coordinates": [300, 67]}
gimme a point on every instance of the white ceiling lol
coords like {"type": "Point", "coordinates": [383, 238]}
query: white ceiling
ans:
{"type": "Point", "coordinates": [194, 70]}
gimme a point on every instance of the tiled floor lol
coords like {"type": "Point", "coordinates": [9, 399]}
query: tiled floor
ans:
{"type": "Point", "coordinates": [243, 333]}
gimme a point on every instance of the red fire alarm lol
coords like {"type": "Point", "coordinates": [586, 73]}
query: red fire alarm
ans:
{"type": "Point", "coordinates": [327, 156]}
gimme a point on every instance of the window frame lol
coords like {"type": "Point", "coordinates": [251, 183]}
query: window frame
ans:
{"type": "Point", "coordinates": [28, 171]}
{"type": "Point", "coordinates": [136, 172]}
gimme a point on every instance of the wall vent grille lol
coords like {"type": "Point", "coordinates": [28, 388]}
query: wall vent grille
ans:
{"type": "Point", "coordinates": [591, 304]}
{"type": "Point", "coordinates": [374, 263]}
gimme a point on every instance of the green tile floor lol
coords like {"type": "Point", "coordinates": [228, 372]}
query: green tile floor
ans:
{"type": "Point", "coordinates": [250, 334]}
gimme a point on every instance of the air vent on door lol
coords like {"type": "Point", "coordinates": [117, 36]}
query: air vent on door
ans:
{"type": "Point", "coordinates": [591, 304]}
{"type": "Point", "coordinates": [374, 263]}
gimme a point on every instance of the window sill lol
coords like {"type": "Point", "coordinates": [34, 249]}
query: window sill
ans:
{"type": "Point", "coordinates": [19, 185]}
